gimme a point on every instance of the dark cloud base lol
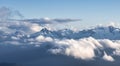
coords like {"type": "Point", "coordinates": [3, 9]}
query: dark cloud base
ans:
{"type": "Point", "coordinates": [39, 56]}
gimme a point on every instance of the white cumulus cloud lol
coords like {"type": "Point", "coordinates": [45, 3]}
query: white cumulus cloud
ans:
{"type": "Point", "coordinates": [107, 57]}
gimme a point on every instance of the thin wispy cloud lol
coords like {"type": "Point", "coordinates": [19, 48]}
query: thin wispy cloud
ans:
{"type": "Point", "coordinates": [51, 21]}
{"type": "Point", "coordinates": [7, 13]}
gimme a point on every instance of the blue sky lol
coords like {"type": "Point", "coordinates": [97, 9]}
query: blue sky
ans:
{"type": "Point", "coordinates": [90, 11]}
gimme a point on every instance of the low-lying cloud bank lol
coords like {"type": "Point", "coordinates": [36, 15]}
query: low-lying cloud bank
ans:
{"type": "Point", "coordinates": [85, 49]}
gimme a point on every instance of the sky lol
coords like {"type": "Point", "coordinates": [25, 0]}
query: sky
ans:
{"type": "Point", "coordinates": [91, 12]}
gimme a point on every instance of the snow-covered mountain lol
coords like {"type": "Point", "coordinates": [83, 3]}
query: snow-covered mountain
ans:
{"type": "Point", "coordinates": [101, 32]}
{"type": "Point", "coordinates": [24, 31]}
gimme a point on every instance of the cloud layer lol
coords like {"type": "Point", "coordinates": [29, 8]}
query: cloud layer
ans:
{"type": "Point", "coordinates": [87, 48]}
{"type": "Point", "coordinates": [86, 51]}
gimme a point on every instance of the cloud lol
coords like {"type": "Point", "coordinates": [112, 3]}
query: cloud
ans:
{"type": "Point", "coordinates": [83, 48]}
{"type": "Point", "coordinates": [7, 13]}
{"type": "Point", "coordinates": [87, 48]}
{"type": "Point", "coordinates": [43, 39]}
{"type": "Point", "coordinates": [14, 15]}
{"type": "Point", "coordinates": [66, 20]}
{"type": "Point", "coordinates": [36, 27]}
{"type": "Point", "coordinates": [85, 51]}
{"type": "Point", "coordinates": [108, 57]}
{"type": "Point", "coordinates": [51, 21]}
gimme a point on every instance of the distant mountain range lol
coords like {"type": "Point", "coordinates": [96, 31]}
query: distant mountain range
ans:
{"type": "Point", "coordinates": [109, 32]}
{"type": "Point", "coordinates": [20, 33]}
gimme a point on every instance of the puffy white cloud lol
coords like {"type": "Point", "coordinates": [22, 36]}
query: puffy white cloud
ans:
{"type": "Point", "coordinates": [85, 48]}
{"type": "Point", "coordinates": [82, 48]}
{"type": "Point", "coordinates": [107, 57]}
{"type": "Point", "coordinates": [35, 27]}
{"type": "Point", "coordinates": [77, 48]}
{"type": "Point", "coordinates": [44, 39]}
{"type": "Point", "coordinates": [117, 52]}
{"type": "Point", "coordinates": [114, 24]}
{"type": "Point", "coordinates": [109, 44]}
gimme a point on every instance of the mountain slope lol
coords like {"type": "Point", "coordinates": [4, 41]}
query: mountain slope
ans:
{"type": "Point", "coordinates": [108, 32]}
